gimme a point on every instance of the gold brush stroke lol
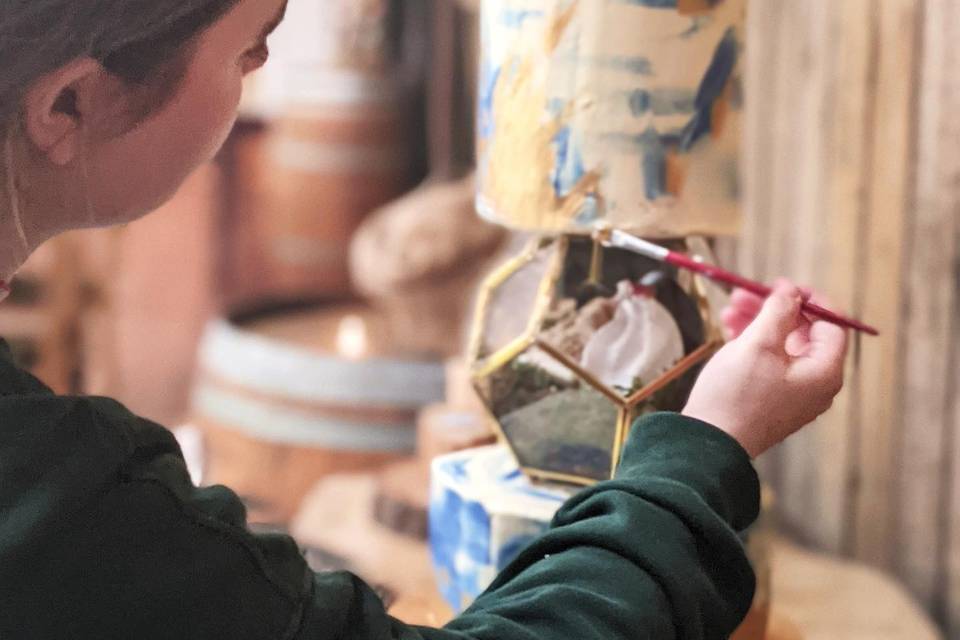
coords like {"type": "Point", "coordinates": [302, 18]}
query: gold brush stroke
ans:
{"type": "Point", "coordinates": [693, 7]}
{"type": "Point", "coordinates": [520, 155]}
{"type": "Point", "coordinates": [559, 26]}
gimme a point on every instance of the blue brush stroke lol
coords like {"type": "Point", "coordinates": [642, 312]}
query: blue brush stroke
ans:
{"type": "Point", "coordinates": [662, 102]}
{"type": "Point", "coordinates": [485, 115]}
{"type": "Point", "coordinates": [638, 65]}
{"type": "Point", "coordinates": [568, 169]}
{"type": "Point", "coordinates": [663, 4]}
{"type": "Point", "coordinates": [465, 554]}
{"type": "Point", "coordinates": [653, 4]}
{"type": "Point", "coordinates": [653, 163]}
{"type": "Point", "coordinates": [711, 88]}
{"type": "Point", "coordinates": [514, 18]}
{"type": "Point", "coordinates": [475, 532]}
{"type": "Point", "coordinates": [589, 211]}
{"type": "Point", "coordinates": [444, 527]}
{"type": "Point", "coordinates": [633, 64]}
{"type": "Point", "coordinates": [556, 106]}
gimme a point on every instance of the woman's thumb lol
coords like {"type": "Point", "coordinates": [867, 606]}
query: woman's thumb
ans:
{"type": "Point", "coordinates": [779, 316]}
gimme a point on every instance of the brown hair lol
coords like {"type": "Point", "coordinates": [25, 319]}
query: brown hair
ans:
{"type": "Point", "coordinates": [141, 41]}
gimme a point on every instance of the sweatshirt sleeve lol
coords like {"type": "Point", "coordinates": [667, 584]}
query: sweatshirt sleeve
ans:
{"type": "Point", "coordinates": [653, 554]}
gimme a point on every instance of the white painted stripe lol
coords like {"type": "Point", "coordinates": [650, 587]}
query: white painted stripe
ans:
{"type": "Point", "coordinates": [285, 425]}
{"type": "Point", "coordinates": [314, 157]}
{"type": "Point", "coordinates": [278, 368]}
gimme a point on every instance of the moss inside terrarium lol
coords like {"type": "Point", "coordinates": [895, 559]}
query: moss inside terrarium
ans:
{"type": "Point", "coordinates": [570, 431]}
{"type": "Point", "coordinates": [519, 384]}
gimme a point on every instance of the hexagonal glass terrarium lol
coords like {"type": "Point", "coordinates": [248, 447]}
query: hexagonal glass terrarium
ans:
{"type": "Point", "coordinates": [572, 341]}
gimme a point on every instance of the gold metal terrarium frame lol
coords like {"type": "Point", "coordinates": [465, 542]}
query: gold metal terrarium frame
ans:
{"type": "Point", "coordinates": [552, 253]}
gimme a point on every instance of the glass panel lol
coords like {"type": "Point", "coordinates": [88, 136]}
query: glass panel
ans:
{"type": "Point", "coordinates": [511, 305]}
{"type": "Point", "coordinates": [553, 420]}
{"type": "Point", "coordinates": [625, 319]}
{"type": "Point", "coordinates": [716, 296]}
{"type": "Point", "coordinates": [672, 397]}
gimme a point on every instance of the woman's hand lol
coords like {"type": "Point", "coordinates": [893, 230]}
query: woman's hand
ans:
{"type": "Point", "coordinates": [778, 373]}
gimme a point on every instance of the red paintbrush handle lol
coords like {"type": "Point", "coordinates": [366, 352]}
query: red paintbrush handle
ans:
{"type": "Point", "coordinates": [722, 275]}
{"type": "Point", "coordinates": [716, 273]}
{"type": "Point", "coordinates": [836, 318]}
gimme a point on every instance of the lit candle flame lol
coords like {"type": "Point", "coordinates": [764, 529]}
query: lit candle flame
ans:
{"type": "Point", "coordinates": [352, 337]}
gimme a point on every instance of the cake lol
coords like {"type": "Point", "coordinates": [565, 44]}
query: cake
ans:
{"type": "Point", "coordinates": [483, 511]}
{"type": "Point", "coordinates": [621, 112]}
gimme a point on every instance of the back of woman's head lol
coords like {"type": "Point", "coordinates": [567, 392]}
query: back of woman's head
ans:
{"type": "Point", "coordinates": [140, 41]}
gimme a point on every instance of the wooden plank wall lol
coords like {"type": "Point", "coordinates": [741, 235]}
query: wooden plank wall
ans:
{"type": "Point", "coordinates": [853, 185]}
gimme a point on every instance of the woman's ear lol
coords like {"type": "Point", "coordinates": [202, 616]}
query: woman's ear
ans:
{"type": "Point", "coordinates": [64, 108]}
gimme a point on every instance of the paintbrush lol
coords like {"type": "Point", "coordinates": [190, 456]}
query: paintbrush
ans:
{"type": "Point", "coordinates": [622, 240]}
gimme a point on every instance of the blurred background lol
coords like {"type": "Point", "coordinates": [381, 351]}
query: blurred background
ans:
{"type": "Point", "coordinates": [334, 240]}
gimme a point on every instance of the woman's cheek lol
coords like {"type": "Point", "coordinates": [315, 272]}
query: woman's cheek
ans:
{"type": "Point", "coordinates": [225, 117]}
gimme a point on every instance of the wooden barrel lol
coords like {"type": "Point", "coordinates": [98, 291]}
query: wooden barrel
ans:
{"type": "Point", "coordinates": [285, 399]}
{"type": "Point", "coordinates": [330, 158]}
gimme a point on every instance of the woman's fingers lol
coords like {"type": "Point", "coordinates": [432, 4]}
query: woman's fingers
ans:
{"type": "Point", "coordinates": [798, 342]}
{"type": "Point", "coordinates": [740, 311]}
{"type": "Point", "coordinates": [744, 306]}
{"type": "Point", "coordinates": [779, 317]}
{"type": "Point", "coordinates": [735, 321]}
{"type": "Point", "coordinates": [746, 302]}
{"type": "Point", "coordinates": [823, 361]}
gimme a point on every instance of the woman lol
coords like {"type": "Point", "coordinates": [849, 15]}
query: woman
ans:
{"type": "Point", "coordinates": [106, 106]}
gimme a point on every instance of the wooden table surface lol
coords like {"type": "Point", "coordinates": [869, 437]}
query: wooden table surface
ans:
{"type": "Point", "coordinates": [825, 598]}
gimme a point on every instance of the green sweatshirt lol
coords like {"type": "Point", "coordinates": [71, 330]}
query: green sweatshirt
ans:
{"type": "Point", "coordinates": [103, 536]}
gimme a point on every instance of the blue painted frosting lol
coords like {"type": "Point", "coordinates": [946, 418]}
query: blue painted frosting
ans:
{"type": "Point", "coordinates": [489, 76]}
{"type": "Point", "coordinates": [483, 513]}
{"type": "Point", "coordinates": [516, 18]}
{"type": "Point", "coordinates": [653, 163]}
{"type": "Point", "coordinates": [662, 4]}
{"type": "Point", "coordinates": [568, 167]}
{"type": "Point", "coordinates": [711, 88]}
{"type": "Point", "coordinates": [662, 102]}
{"type": "Point", "coordinates": [653, 4]}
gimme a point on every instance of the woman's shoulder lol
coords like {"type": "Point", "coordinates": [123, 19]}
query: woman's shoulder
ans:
{"type": "Point", "coordinates": [57, 451]}
{"type": "Point", "coordinates": [36, 418]}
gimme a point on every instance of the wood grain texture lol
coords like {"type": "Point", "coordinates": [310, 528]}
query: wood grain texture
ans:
{"type": "Point", "coordinates": [942, 319]}
{"type": "Point", "coordinates": [921, 528]}
{"type": "Point", "coordinates": [845, 203]}
{"type": "Point", "coordinates": [881, 285]}
{"type": "Point", "coordinates": [803, 99]}
{"type": "Point", "coordinates": [852, 163]}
